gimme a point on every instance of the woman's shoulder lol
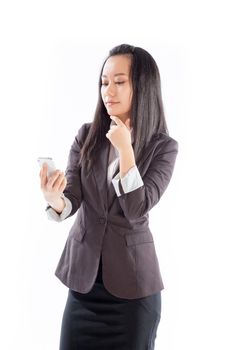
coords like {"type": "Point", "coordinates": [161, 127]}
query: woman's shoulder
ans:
{"type": "Point", "coordinates": [163, 138]}
{"type": "Point", "coordinates": [84, 127]}
{"type": "Point", "coordinates": [82, 131]}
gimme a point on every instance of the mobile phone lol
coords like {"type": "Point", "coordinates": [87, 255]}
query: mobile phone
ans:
{"type": "Point", "coordinates": [49, 161]}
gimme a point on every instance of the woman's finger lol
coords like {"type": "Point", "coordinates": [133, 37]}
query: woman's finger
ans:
{"type": "Point", "coordinates": [43, 176]}
{"type": "Point", "coordinates": [58, 182]}
{"type": "Point", "coordinates": [52, 180]}
{"type": "Point", "coordinates": [63, 185]}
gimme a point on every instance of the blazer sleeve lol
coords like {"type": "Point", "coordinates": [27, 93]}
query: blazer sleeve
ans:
{"type": "Point", "coordinates": [138, 202]}
{"type": "Point", "coordinates": [73, 190]}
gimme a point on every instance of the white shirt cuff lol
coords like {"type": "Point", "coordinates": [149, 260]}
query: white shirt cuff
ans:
{"type": "Point", "coordinates": [130, 182]}
{"type": "Point", "coordinates": [53, 215]}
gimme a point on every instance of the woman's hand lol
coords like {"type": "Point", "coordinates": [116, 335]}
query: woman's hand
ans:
{"type": "Point", "coordinates": [52, 187]}
{"type": "Point", "coordinates": [119, 135]}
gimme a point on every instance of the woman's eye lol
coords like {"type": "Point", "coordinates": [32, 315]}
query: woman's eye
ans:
{"type": "Point", "coordinates": [117, 82]}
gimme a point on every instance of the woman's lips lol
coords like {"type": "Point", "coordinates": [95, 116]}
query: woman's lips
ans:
{"type": "Point", "coordinates": [111, 103]}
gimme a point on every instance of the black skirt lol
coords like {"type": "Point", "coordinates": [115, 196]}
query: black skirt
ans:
{"type": "Point", "coordinates": [99, 320]}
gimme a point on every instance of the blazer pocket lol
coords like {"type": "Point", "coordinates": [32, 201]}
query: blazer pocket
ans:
{"type": "Point", "coordinates": [78, 236]}
{"type": "Point", "coordinates": [78, 231]}
{"type": "Point", "coordinates": [139, 238]}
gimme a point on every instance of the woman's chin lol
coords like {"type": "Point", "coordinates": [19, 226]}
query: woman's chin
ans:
{"type": "Point", "coordinates": [116, 114]}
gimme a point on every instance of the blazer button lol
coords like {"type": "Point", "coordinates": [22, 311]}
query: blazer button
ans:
{"type": "Point", "coordinates": [102, 220]}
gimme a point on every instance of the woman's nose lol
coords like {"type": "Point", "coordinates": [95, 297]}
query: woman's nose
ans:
{"type": "Point", "coordinates": [109, 90]}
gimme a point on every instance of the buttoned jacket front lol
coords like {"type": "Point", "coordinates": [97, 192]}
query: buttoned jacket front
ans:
{"type": "Point", "coordinates": [115, 226]}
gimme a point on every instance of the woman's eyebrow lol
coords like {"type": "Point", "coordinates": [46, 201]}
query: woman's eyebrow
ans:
{"type": "Point", "coordinates": [105, 76]}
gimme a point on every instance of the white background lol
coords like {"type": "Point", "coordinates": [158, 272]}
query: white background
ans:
{"type": "Point", "coordinates": [51, 55]}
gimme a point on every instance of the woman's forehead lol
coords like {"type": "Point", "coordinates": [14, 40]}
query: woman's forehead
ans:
{"type": "Point", "coordinates": [116, 66]}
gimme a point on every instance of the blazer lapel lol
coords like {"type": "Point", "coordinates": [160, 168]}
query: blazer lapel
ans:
{"type": "Point", "coordinates": [99, 171]}
{"type": "Point", "coordinates": [111, 194]}
{"type": "Point", "coordinates": [107, 194]}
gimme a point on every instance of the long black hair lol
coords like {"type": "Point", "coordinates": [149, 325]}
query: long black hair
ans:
{"type": "Point", "coordinates": [147, 112]}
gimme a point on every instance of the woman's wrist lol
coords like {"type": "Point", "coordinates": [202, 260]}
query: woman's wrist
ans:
{"type": "Point", "coordinates": [57, 204]}
{"type": "Point", "coordinates": [127, 160]}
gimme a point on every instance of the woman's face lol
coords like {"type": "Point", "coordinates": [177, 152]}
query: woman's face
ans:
{"type": "Point", "coordinates": [116, 86]}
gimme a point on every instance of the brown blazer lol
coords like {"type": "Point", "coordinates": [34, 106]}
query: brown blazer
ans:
{"type": "Point", "coordinates": [117, 227]}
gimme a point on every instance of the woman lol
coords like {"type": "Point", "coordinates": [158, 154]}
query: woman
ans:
{"type": "Point", "coordinates": [118, 168]}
